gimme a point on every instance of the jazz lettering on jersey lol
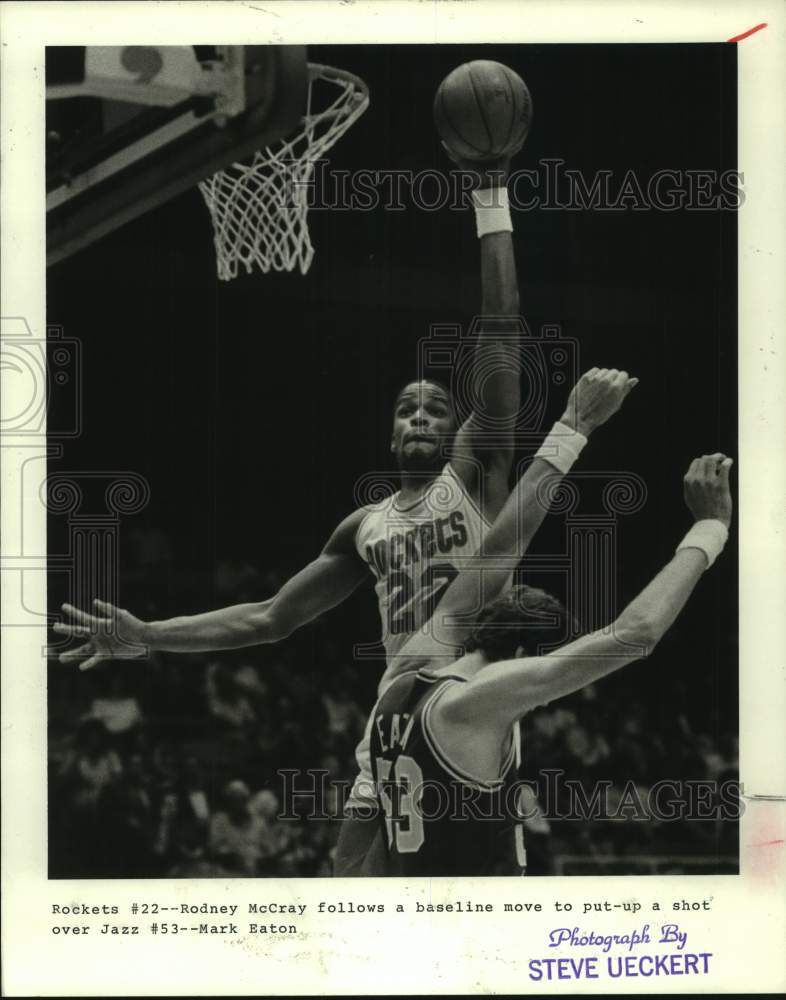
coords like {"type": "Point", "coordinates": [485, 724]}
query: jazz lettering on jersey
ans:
{"type": "Point", "coordinates": [397, 737]}
{"type": "Point", "coordinates": [419, 544]}
{"type": "Point", "coordinates": [399, 784]}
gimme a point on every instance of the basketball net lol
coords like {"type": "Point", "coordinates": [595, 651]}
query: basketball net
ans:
{"type": "Point", "coordinates": [260, 208]}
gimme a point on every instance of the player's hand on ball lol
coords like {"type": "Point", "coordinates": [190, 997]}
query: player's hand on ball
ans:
{"type": "Point", "coordinates": [597, 395]}
{"type": "Point", "coordinates": [484, 173]}
{"type": "Point", "coordinates": [111, 633]}
{"type": "Point", "coordinates": [482, 113]}
{"type": "Point", "coordinates": [706, 488]}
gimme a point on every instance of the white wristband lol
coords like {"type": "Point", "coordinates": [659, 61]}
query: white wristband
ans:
{"type": "Point", "coordinates": [492, 211]}
{"type": "Point", "coordinates": [562, 447]}
{"type": "Point", "coordinates": [709, 535]}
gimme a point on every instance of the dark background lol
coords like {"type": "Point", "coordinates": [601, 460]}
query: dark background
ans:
{"type": "Point", "coordinates": [252, 407]}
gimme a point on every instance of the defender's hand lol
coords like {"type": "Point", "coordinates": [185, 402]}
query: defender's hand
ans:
{"type": "Point", "coordinates": [706, 488]}
{"type": "Point", "coordinates": [112, 633]}
{"type": "Point", "coordinates": [597, 395]}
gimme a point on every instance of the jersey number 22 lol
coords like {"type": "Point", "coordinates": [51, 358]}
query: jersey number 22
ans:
{"type": "Point", "coordinates": [412, 602]}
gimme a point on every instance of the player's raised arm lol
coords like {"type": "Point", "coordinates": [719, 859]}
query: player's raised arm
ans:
{"type": "Point", "coordinates": [482, 112]}
{"type": "Point", "coordinates": [502, 692]}
{"type": "Point", "coordinates": [115, 633]}
{"type": "Point", "coordinates": [486, 438]}
{"type": "Point", "coordinates": [597, 395]}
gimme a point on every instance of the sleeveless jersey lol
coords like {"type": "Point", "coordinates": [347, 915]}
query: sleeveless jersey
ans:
{"type": "Point", "coordinates": [413, 553]}
{"type": "Point", "coordinates": [439, 820]}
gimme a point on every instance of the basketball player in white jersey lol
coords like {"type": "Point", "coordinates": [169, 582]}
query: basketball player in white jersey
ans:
{"type": "Point", "coordinates": [453, 484]}
{"type": "Point", "coordinates": [449, 479]}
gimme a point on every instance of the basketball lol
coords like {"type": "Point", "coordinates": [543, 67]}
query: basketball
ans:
{"type": "Point", "coordinates": [482, 110]}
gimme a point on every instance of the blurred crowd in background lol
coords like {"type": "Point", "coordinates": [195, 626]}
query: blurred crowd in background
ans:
{"type": "Point", "coordinates": [170, 767]}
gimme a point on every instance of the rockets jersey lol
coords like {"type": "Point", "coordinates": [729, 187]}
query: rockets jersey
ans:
{"type": "Point", "coordinates": [415, 552]}
{"type": "Point", "coordinates": [438, 819]}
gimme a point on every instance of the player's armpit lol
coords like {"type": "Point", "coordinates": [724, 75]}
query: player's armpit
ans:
{"type": "Point", "coordinates": [484, 467]}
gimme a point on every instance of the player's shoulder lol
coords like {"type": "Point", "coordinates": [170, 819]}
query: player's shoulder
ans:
{"type": "Point", "coordinates": [408, 688]}
{"type": "Point", "coordinates": [452, 478]}
{"type": "Point", "coordinates": [382, 495]}
{"type": "Point", "coordinates": [348, 531]}
{"type": "Point", "coordinates": [405, 665]}
{"type": "Point", "coordinates": [371, 512]}
{"type": "Point", "coordinates": [342, 540]}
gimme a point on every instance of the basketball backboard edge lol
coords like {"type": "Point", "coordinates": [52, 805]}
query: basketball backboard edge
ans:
{"type": "Point", "coordinates": [88, 205]}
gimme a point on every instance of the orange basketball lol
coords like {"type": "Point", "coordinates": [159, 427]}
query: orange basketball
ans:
{"type": "Point", "coordinates": [482, 110]}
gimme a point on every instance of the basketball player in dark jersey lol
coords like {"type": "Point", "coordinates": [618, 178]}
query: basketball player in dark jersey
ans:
{"type": "Point", "coordinates": [444, 739]}
{"type": "Point", "coordinates": [439, 819]}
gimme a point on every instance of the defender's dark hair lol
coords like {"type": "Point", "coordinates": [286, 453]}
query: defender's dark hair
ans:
{"type": "Point", "coordinates": [524, 616]}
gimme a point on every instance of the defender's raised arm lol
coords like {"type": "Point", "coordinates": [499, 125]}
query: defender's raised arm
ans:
{"type": "Point", "coordinates": [597, 395]}
{"type": "Point", "coordinates": [504, 691]}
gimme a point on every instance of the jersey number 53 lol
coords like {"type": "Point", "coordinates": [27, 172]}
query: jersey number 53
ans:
{"type": "Point", "coordinates": [400, 789]}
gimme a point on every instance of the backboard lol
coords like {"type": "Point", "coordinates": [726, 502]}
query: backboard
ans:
{"type": "Point", "coordinates": [129, 128]}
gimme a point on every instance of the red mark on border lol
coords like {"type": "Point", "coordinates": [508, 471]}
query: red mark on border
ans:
{"type": "Point", "coordinates": [746, 34]}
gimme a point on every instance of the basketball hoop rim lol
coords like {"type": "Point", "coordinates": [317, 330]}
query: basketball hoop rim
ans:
{"type": "Point", "coordinates": [256, 218]}
{"type": "Point", "coordinates": [321, 70]}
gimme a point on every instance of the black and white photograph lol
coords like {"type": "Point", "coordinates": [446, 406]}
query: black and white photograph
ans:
{"type": "Point", "coordinates": [390, 455]}
{"type": "Point", "coordinates": [352, 369]}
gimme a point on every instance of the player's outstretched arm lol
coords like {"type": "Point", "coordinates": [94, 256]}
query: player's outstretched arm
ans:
{"type": "Point", "coordinates": [495, 373]}
{"type": "Point", "coordinates": [504, 691]}
{"type": "Point", "coordinates": [595, 398]}
{"type": "Point", "coordinates": [113, 633]}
